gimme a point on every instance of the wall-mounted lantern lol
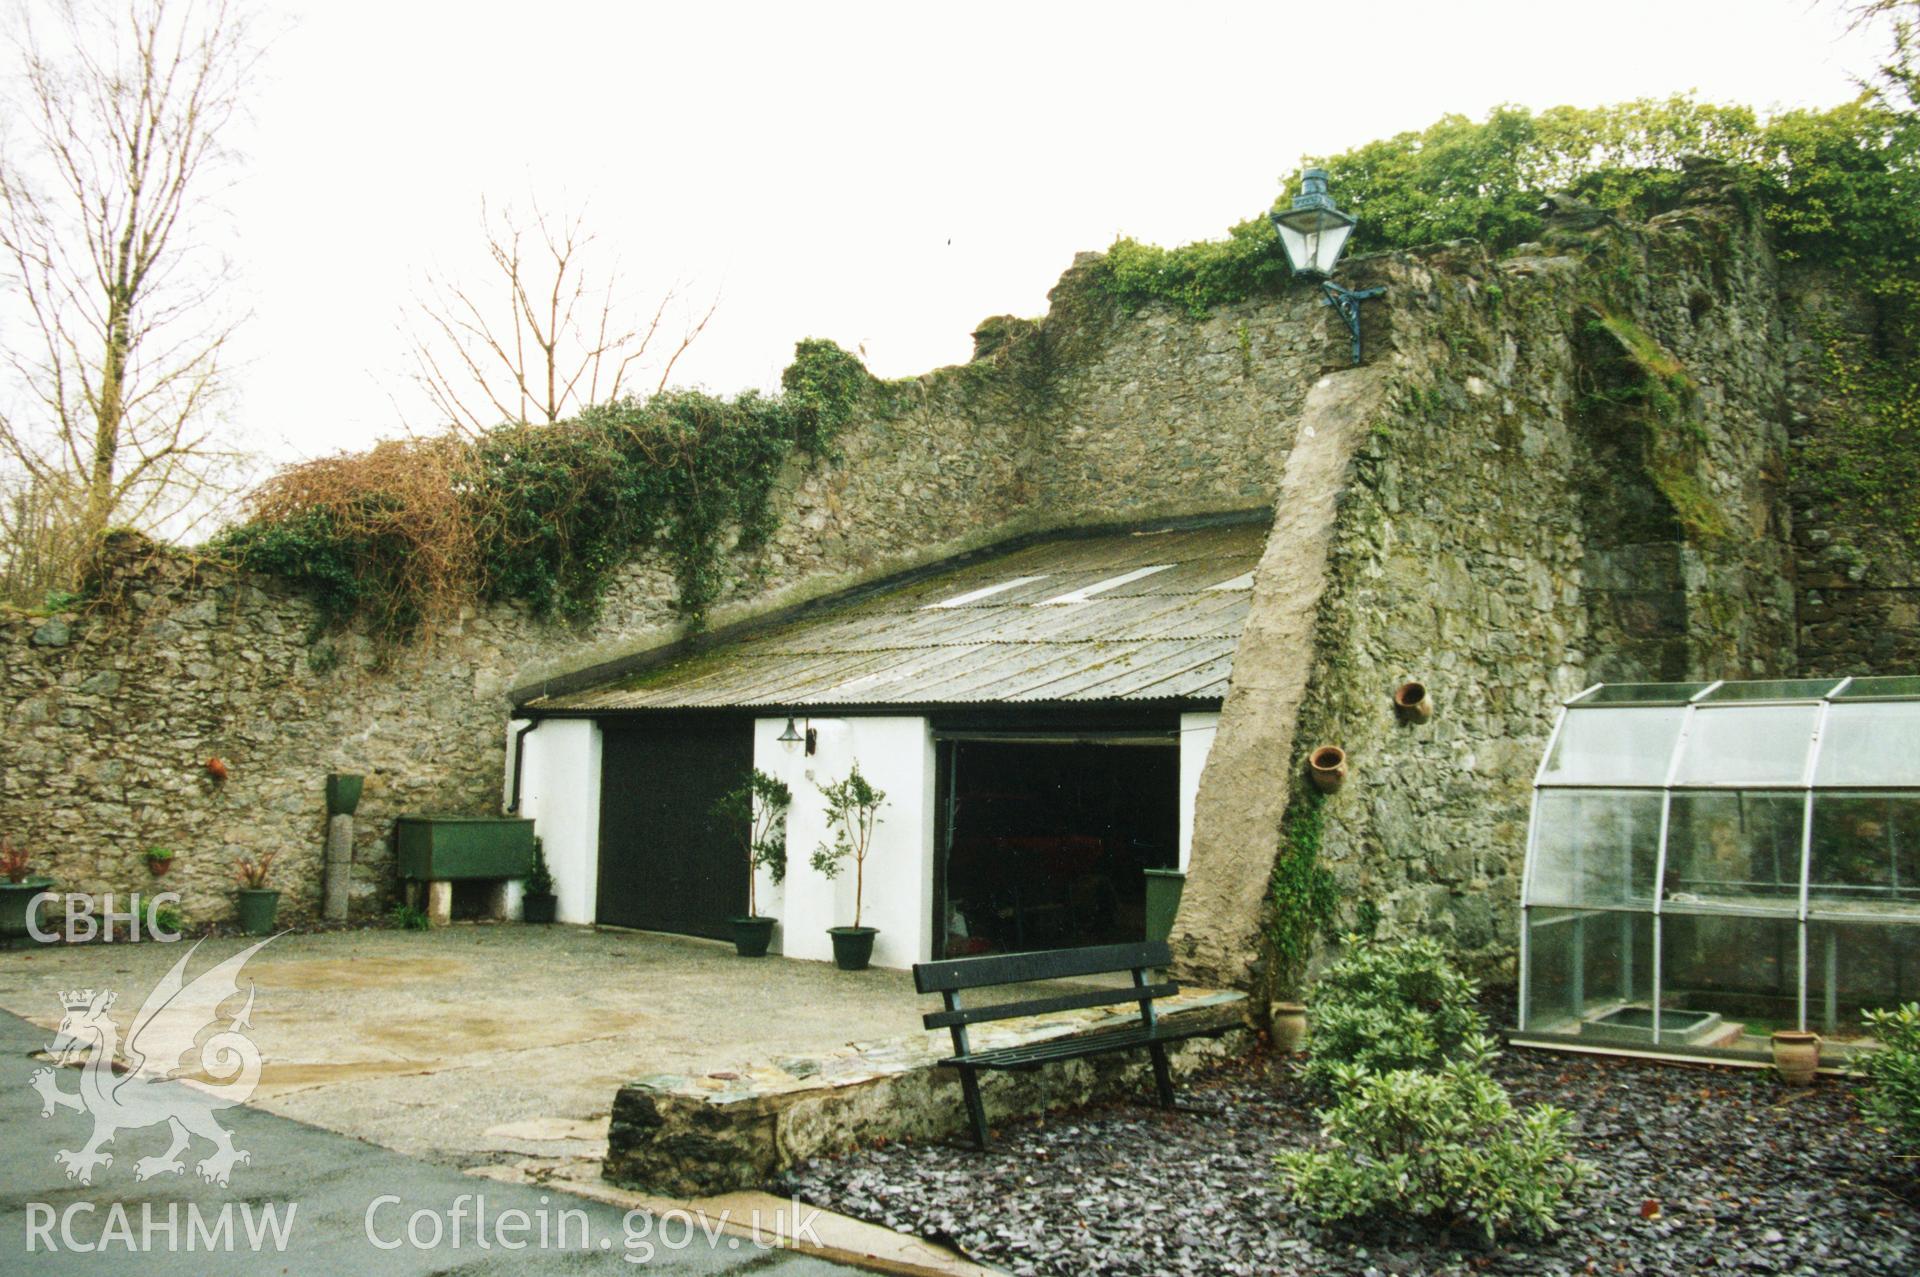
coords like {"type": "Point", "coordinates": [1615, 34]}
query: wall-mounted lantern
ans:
{"type": "Point", "coordinates": [793, 737]}
{"type": "Point", "coordinates": [1314, 232]}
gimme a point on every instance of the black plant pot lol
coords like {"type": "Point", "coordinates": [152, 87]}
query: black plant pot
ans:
{"type": "Point", "coordinates": [751, 936]}
{"type": "Point", "coordinates": [538, 908]}
{"type": "Point", "coordinates": [852, 947]}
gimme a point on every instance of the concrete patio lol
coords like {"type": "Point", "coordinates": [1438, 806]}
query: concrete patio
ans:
{"type": "Point", "coordinates": [482, 1045]}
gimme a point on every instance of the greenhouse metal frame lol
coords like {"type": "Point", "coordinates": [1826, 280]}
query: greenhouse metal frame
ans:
{"type": "Point", "coordinates": [1692, 846]}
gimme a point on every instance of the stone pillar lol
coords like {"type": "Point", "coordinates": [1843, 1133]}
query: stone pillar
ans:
{"type": "Point", "coordinates": [1243, 791]}
{"type": "Point", "coordinates": [337, 882]}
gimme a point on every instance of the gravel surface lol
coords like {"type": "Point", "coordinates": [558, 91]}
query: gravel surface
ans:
{"type": "Point", "coordinates": [1696, 1171]}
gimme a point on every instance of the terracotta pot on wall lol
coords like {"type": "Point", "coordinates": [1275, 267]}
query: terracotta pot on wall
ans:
{"type": "Point", "coordinates": [1796, 1055]}
{"type": "Point", "coordinates": [1412, 703]}
{"type": "Point", "coordinates": [1327, 768]}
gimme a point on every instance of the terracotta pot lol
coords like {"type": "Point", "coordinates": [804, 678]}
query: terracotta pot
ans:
{"type": "Point", "coordinates": [158, 868]}
{"type": "Point", "coordinates": [1796, 1055]}
{"type": "Point", "coordinates": [1327, 768]}
{"type": "Point", "coordinates": [1288, 1021]}
{"type": "Point", "coordinates": [1412, 703]}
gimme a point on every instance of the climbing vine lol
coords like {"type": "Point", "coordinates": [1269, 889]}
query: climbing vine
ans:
{"type": "Point", "coordinates": [545, 514]}
{"type": "Point", "coordinates": [1304, 894]}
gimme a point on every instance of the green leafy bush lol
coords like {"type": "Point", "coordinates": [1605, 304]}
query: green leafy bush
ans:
{"type": "Point", "coordinates": [1389, 1005]}
{"type": "Point", "coordinates": [1840, 185]}
{"type": "Point", "coordinates": [1445, 1146]}
{"type": "Point", "coordinates": [1894, 1071]}
{"type": "Point", "coordinates": [408, 918]}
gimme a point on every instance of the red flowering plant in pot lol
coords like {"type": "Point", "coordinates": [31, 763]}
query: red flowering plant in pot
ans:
{"type": "Point", "coordinates": [19, 889]}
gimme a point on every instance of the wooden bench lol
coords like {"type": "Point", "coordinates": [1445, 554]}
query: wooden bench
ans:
{"type": "Point", "coordinates": [954, 976]}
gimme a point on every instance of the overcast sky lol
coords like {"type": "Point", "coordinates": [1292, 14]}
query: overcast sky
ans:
{"type": "Point", "coordinates": [882, 174]}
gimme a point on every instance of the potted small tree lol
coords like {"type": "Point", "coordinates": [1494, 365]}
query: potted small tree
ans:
{"type": "Point", "coordinates": [758, 805]}
{"type": "Point", "coordinates": [538, 903]}
{"type": "Point", "coordinates": [258, 903]}
{"type": "Point", "coordinates": [159, 860]}
{"type": "Point", "coordinates": [853, 808]}
{"type": "Point", "coordinates": [18, 891]}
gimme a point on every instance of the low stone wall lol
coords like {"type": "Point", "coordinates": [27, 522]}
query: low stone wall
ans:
{"type": "Point", "coordinates": [691, 1137]}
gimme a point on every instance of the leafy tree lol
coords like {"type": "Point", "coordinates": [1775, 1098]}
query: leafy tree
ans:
{"type": "Point", "coordinates": [758, 806]}
{"type": "Point", "coordinates": [853, 808]}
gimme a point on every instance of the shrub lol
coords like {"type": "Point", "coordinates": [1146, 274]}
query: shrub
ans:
{"type": "Point", "coordinates": [540, 877]}
{"type": "Point", "coordinates": [1390, 1005]}
{"type": "Point", "coordinates": [1444, 1146]}
{"type": "Point", "coordinates": [407, 918]}
{"type": "Point", "coordinates": [1894, 1070]}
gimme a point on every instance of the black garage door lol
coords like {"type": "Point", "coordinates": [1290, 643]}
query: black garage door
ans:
{"type": "Point", "coordinates": [665, 863]}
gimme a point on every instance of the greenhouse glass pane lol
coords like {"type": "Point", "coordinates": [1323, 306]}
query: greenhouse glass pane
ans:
{"type": "Point", "coordinates": [1866, 688]}
{"type": "Point", "coordinates": [1739, 977]}
{"type": "Point", "coordinates": [1595, 847]}
{"type": "Point", "coordinates": [1750, 744]}
{"type": "Point", "coordinates": [1644, 693]}
{"type": "Point", "coordinates": [1772, 689]}
{"type": "Point", "coordinates": [1866, 855]}
{"type": "Point", "coordinates": [1614, 746]}
{"type": "Point", "coordinates": [1735, 851]}
{"type": "Point", "coordinates": [1854, 967]}
{"type": "Point", "coordinates": [1870, 743]}
{"type": "Point", "coordinates": [1585, 967]}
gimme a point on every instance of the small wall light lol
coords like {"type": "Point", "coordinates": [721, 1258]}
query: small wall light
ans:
{"type": "Point", "coordinates": [790, 736]}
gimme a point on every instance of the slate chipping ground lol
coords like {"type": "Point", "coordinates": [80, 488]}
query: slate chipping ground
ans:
{"type": "Point", "coordinates": [1696, 1171]}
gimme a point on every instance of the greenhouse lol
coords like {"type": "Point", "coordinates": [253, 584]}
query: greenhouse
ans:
{"type": "Point", "coordinates": [1709, 863]}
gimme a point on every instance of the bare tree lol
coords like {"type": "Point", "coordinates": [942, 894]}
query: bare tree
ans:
{"type": "Point", "coordinates": [545, 334]}
{"type": "Point", "coordinates": [116, 334]}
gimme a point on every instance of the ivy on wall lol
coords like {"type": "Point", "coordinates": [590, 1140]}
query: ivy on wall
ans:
{"type": "Point", "coordinates": [545, 514]}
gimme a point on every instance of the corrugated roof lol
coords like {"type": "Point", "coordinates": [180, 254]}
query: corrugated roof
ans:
{"type": "Point", "coordinates": [1148, 615]}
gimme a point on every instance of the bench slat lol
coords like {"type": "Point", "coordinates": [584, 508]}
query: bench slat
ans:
{"type": "Point", "coordinates": [1075, 1046]}
{"type": "Point", "coordinates": [1047, 1006]}
{"type": "Point", "coordinates": [1041, 964]}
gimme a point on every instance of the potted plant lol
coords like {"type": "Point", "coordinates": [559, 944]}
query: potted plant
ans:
{"type": "Point", "coordinates": [159, 860]}
{"type": "Point", "coordinates": [758, 805]}
{"type": "Point", "coordinates": [538, 904]}
{"type": "Point", "coordinates": [18, 891]}
{"type": "Point", "coordinates": [258, 903]}
{"type": "Point", "coordinates": [853, 808]}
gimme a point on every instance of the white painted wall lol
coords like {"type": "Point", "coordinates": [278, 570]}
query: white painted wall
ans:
{"type": "Point", "coordinates": [896, 755]}
{"type": "Point", "coordinates": [1196, 740]}
{"type": "Point", "coordinates": [560, 790]}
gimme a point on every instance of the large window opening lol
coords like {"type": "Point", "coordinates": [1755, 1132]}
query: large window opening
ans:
{"type": "Point", "coordinates": [1044, 843]}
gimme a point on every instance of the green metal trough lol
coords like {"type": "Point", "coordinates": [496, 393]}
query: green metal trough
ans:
{"type": "Point", "coordinates": [462, 848]}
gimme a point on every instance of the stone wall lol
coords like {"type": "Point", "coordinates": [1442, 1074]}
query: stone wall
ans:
{"type": "Point", "coordinates": [1858, 579]}
{"type": "Point", "coordinates": [1477, 550]}
{"type": "Point", "coordinates": [1485, 521]}
{"type": "Point", "coordinates": [1091, 416]}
